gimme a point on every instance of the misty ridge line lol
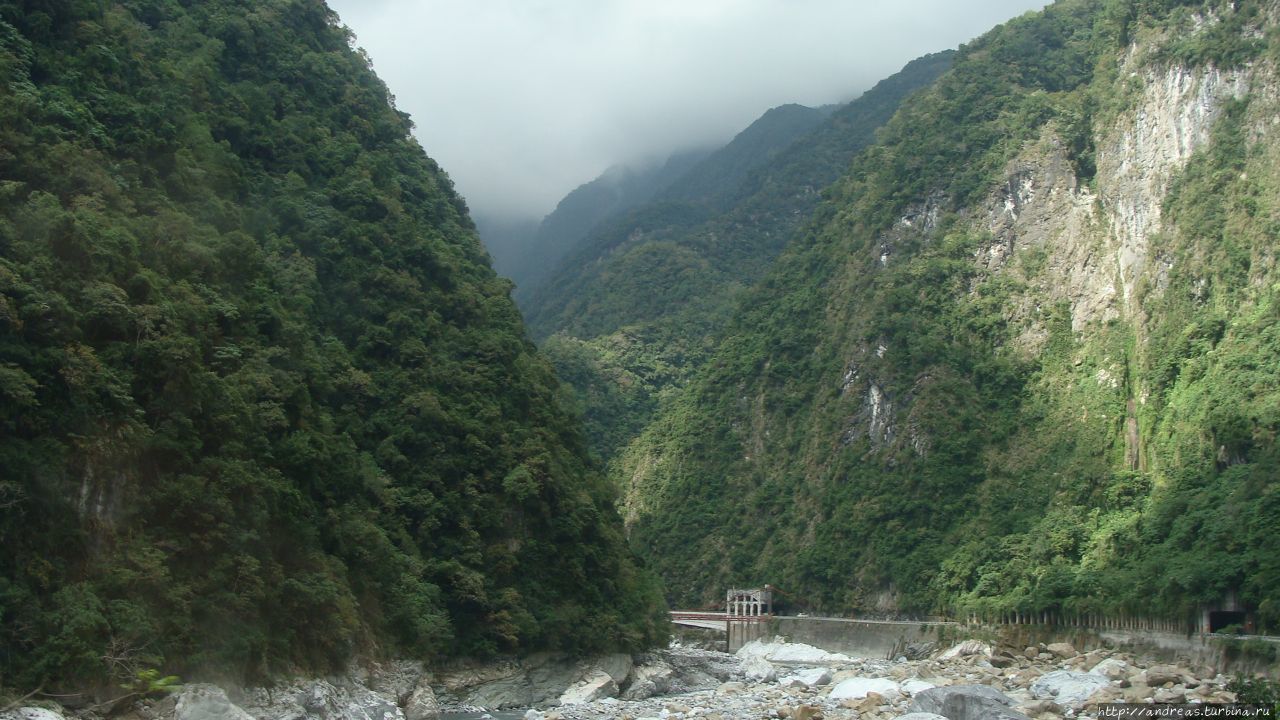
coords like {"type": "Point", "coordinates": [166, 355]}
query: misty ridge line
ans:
{"type": "Point", "coordinates": [523, 102]}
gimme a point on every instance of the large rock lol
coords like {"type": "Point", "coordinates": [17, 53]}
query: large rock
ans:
{"type": "Point", "coordinates": [319, 700]}
{"type": "Point", "coordinates": [649, 678]}
{"type": "Point", "coordinates": [1067, 687]}
{"type": "Point", "coordinates": [784, 653]}
{"type": "Point", "coordinates": [1003, 659]}
{"type": "Point", "coordinates": [1158, 675]}
{"type": "Point", "coordinates": [801, 654]}
{"type": "Point", "coordinates": [1111, 669]}
{"type": "Point", "coordinates": [921, 716]}
{"type": "Point", "coordinates": [965, 649]}
{"type": "Point", "coordinates": [694, 669]}
{"type": "Point", "coordinates": [806, 712]}
{"type": "Point", "coordinates": [1175, 694]}
{"type": "Point", "coordinates": [1061, 650]}
{"type": "Point", "coordinates": [858, 687]}
{"type": "Point", "coordinates": [1137, 692]}
{"type": "Point", "coordinates": [539, 679]}
{"type": "Point", "coordinates": [757, 668]}
{"type": "Point", "coordinates": [617, 666]}
{"type": "Point", "coordinates": [396, 679]}
{"type": "Point", "coordinates": [809, 677]}
{"type": "Point", "coordinates": [351, 703]}
{"type": "Point", "coordinates": [597, 685]}
{"type": "Point", "coordinates": [1037, 708]}
{"type": "Point", "coordinates": [200, 701]}
{"type": "Point", "coordinates": [966, 702]}
{"type": "Point", "coordinates": [916, 685]}
{"type": "Point", "coordinates": [34, 713]}
{"type": "Point", "coordinates": [421, 704]}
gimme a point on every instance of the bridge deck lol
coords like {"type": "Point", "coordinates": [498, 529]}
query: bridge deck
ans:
{"type": "Point", "coordinates": [709, 620]}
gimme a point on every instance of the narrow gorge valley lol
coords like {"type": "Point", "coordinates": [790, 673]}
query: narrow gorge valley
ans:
{"type": "Point", "coordinates": [994, 345]}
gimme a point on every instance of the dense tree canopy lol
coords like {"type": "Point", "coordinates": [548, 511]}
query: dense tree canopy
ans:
{"type": "Point", "coordinates": [264, 403]}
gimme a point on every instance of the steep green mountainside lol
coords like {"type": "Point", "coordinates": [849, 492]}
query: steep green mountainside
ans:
{"type": "Point", "coordinates": [264, 404]}
{"type": "Point", "coordinates": [1024, 358]}
{"type": "Point", "coordinates": [631, 314]}
{"type": "Point", "coordinates": [715, 180]}
{"type": "Point", "coordinates": [531, 259]}
{"type": "Point", "coordinates": [700, 178]}
{"type": "Point", "coordinates": [582, 297]}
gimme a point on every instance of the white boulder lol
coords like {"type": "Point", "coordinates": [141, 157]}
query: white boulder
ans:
{"type": "Point", "coordinates": [858, 687]}
{"type": "Point", "coordinates": [1067, 687]}
{"type": "Point", "coordinates": [916, 685]}
{"type": "Point", "coordinates": [597, 685]}
{"type": "Point", "coordinates": [757, 668]}
{"type": "Point", "coordinates": [200, 701]}
{"type": "Point", "coordinates": [1111, 669]}
{"type": "Point", "coordinates": [809, 677]}
{"type": "Point", "coordinates": [31, 713]}
{"type": "Point", "coordinates": [785, 653]}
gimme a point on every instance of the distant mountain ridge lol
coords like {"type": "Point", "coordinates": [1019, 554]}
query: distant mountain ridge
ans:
{"type": "Point", "coordinates": [697, 176]}
{"type": "Point", "coordinates": [616, 190]}
{"type": "Point", "coordinates": [715, 180]}
{"type": "Point", "coordinates": [635, 308]}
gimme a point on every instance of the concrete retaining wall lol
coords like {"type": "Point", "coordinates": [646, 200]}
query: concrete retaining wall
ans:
{"type": "Point", "coordinates": [887, 639]}
{"type": "Point", "coordinates": [1224, 654]}
{"type": "Point", "coordinates": [859, 638]}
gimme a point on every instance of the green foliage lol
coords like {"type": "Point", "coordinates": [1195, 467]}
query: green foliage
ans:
{"type": "Point", "coordinates": [1231, 37]}
{"type": "Point", "coordinates": [888, 423]}
{"type": "Point", "coordinates": [532, 259]}
{"type": "Point", "coordinates": [150, 682]}
{"type": "Point", "coordinates": [1256, 691]}
{"type": "Point", "coordinates": [635, 311]}
{"type": "Point", "coordinates": [265, 403]}
{"type": "Point", "coordinates": [719, 180]}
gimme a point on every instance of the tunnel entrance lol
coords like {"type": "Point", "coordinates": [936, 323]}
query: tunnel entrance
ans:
{"type": "Point", "coordinates": [1219, 619]}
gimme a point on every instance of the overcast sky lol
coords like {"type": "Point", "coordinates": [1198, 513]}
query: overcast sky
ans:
{"type": "Point", "coordinates": [523, 100]}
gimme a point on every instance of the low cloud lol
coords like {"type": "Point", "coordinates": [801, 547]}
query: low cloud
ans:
{"type": "Point", "coordinates": [523, 100]}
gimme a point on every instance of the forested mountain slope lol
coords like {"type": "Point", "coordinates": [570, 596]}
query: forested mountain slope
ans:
{"type": "Point", "coordinates": [715, 180]}
{"type": "Point", "coordinates": [1025, 356]}
{"type": "Point", "coordinates": [531, 261]}
{"type": "Point", "coordinates": [693, 177]}
{"type": "Point", "coordinates": [264, 403]}
{"type": "Point", "coordinates": [635, 310]}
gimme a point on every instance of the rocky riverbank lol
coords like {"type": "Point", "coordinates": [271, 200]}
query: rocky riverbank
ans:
{"type": "Point", "coordinates": [772, 679]}
{"type": "Point", "coordinates": [966, 682]}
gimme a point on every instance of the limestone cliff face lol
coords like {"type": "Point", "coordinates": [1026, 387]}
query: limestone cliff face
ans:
{"type": "Point", "coordinates": [1100, 241]}
{"type": "Point", "coordinates": [1091, 245]}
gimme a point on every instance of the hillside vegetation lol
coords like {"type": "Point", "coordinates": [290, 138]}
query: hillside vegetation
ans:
{"type": "Point", "coordinates": [531, 260]}
{"type": "Point", "coordinates": [634, 311]}
{"type": "Point", "coordinates": [264, 404]}
{"type": "Point", "coordinates": [1023, 358]}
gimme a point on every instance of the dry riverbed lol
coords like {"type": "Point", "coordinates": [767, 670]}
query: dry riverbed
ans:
{"type": "Point", "coordinates": [764, 680]}
{"type": "Point", "coordinates": [966, 682]}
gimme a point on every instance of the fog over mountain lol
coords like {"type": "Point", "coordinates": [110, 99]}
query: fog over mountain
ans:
{"type": "Point", "coordinates": [524, 100]}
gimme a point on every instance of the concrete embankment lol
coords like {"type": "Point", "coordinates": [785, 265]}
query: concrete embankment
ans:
{"type": "Point", "coordinates": [863, 638]}
{"type": "Point", "coordinates": [891, 639]}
